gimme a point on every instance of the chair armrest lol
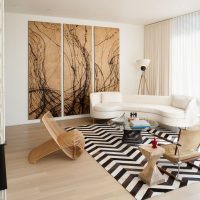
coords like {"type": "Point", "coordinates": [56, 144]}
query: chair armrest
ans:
{"type": "Point", "coordinates": [191, 111]}
{"type": "Point", "coordinates": [95, 98]}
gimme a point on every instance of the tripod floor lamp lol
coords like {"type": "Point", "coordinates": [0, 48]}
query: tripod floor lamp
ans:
{"type": "Point", "coordinates": [143, 64]}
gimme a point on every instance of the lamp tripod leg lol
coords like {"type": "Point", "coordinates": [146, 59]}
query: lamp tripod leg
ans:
{"type": "Point", "coordinates": [145, 83]}
{"type": "Point", "coordinates": [140, 84]}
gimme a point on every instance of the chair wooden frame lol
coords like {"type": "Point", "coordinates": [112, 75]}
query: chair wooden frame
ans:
{"type": "Point", "coordinates": [70, 142]}
{"type": "Point", "coordinates": [181, 146]}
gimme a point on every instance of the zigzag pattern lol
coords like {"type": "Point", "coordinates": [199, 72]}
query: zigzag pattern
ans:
{"type": "Point", "coordinates": [124, 162]}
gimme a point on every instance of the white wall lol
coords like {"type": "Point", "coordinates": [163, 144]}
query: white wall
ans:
{"type": "Point", "coordinates": [16, 60]}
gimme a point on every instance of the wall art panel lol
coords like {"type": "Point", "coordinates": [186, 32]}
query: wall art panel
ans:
{"type": "Point", "coordinates": [44, 44]}
{"type": "Point", "coordinates": [106, 70]}
{"type": "Point", "coordinates": [77, 68]}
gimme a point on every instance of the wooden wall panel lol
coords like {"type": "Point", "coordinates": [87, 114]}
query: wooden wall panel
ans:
{"type": "Point", "coordinates": [106, 59]}
{"type": "Point", "coordinates": [44, 40]}
{"type": "Point", "coordinates": [77, 69]}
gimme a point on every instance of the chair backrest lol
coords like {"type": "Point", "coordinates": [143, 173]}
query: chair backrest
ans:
{"type": "Point", "coordinates": [72, 143]}
{"type": "Point", "coordinates": [189, 139]}
{"type": "Point", "coordinates": [54, 130]}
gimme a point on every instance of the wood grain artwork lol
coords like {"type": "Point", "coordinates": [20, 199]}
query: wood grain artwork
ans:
{"type": "Point", "coordinates": [77, 69]}
{"type": "Point", "coordinates": [106, 59]}
{"type": "Point", "coordinates": [44, 40]}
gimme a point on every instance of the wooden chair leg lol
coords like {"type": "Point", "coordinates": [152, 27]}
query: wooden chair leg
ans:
{"type": "Point", "coordinates": [42, 150]}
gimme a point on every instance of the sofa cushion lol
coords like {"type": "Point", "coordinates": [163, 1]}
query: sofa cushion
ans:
{"type": "Point", "coordinates": [111, 97]}
{"type": "Point", "coordinates": [180, 101]}
{"type": "Point", "coordinates": [128, 106]}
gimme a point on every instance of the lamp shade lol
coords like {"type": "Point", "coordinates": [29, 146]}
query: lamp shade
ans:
{"type": "Point", "coordinates": [143, 62]}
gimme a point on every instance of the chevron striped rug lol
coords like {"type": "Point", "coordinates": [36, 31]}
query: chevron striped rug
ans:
{"type": "Point", "coordinates": [124, 162]}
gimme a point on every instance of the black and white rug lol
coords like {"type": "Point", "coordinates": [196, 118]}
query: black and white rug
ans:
{"type": "Point", "coordinates": [124, 162]}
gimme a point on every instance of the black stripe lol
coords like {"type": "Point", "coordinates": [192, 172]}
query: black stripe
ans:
{"type": "Point", "coordinates": [148, 194]}
{"type": "Point", "coordinates": [120, 174]}
{"type": "Point", "coordinates": [137, 187]}
{"type": "Point", "coordinates": [127, 181]}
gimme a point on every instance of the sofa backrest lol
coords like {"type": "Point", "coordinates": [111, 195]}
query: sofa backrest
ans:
{"type": "Point", "coordinates": [111, 97]}
{"type": "Point", "coordinates": [147, 99]}
{"type": "Point", "coordinates": [181, 102]}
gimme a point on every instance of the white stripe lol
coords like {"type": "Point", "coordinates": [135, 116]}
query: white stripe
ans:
{"type": "Point", "coordinates": [140, 159]}
{"type": "Point", "coordinates": [105, 142]}
{"type": "Point", "coordinates": [134, 172]}
{"type": "Point", "coordinates": [108, 143]}
{"type": "Point", "coordinates": [104, 160]}
{"type": "Point", "coordinates": [91, 147]}
{"type": "Point", "coordinates": [132, 184]}
{"type": "Point", "coordinates": [128, 150]}
{"type": "Point", "coordinates": [124, 177]}
{"type": "Point", "coordinates": [118, 149]}
{"type": "Point", "coordinates": [156, 194]}
{"type": "Point", "coordinates": [122, 161]}
{"type": "Point", "coordinates": [99, 155]}
{"type": "Point", "coordinates": [114, 173]}
{"type": "Point", "coordinates": [95, 151]}
{"type": "Point", "coordinates": [110, 165]}
{"type": "Point", "coordinates": [191, 182]}
{"type": "Point", "coordinates": [132, 167]}
{"type": "Point", "coordinates": [189, 176]}
{"type": "Point", "coordinates": [112, 152]}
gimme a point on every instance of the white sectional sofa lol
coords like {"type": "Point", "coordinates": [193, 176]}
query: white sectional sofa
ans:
{"type": "Point", "coordinates": [176, 111]}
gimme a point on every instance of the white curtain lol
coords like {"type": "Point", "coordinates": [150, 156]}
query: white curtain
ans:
{"type": "Point", "coordinates": [185, 55]}
{"type": "Point", "coordinates": [156, 48]}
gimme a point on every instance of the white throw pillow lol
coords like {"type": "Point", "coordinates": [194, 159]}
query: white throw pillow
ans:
{"type": "Point", "coordinates": [111, 97]}
{"type": "Point", "coordinates": [180, 101]}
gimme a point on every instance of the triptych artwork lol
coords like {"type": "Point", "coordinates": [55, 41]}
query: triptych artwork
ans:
{"type": "Point", "coordinates": [44, 69]}
{"type": "Point", "coordinates": [77, 68]}
{"type": "Point", "coordinates": [44, 57]}
{"type": "Point", "coordinates": [106, 69]}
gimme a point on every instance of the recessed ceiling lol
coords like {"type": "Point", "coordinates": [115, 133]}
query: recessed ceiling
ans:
{"type": "Point", "coordinates": [121, 11]}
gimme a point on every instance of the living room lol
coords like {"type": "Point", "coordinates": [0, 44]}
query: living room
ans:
{"type": "Point", "coordinates": [100, 67]}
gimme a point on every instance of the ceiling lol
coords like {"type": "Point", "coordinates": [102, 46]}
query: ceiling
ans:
{"type": "Point", "coordinates": [121, 11]}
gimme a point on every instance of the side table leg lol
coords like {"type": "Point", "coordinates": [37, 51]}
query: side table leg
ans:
{"type": "Point", "coordinates": [151, 174]}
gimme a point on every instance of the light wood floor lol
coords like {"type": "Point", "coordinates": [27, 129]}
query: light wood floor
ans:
{"type": "Point", "coordinates": [58, 178]}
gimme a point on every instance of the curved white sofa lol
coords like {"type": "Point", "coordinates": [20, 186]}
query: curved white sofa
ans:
{"type": "Point", "coordinates": [177, 111]}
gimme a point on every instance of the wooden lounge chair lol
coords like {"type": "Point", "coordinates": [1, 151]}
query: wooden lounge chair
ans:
{"type": "Point", "coordinates": [70, 142]}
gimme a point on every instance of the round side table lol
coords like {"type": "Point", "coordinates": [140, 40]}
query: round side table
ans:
{"type": "Point", "coordinates": [151, 174]}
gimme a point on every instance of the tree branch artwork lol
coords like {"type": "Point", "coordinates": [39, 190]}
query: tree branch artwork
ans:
{"type": "Point", "coordinates": [44, 40]}
{"type": "Point", "coordinates": [77, 68]}
{"type": "Point", "coordinates": [106, 69]}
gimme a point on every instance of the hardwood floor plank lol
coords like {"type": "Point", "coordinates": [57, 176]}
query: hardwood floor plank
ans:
{"type": "Point", "coordinates": [56, 176]}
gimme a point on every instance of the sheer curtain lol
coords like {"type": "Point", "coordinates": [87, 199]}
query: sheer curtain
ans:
{"type": "Point", "coordinates": [156, 48]}
{"type": "Point", "coordinates": [185, 55]}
